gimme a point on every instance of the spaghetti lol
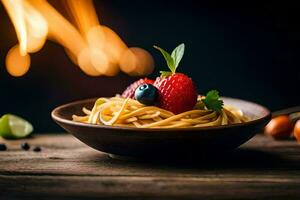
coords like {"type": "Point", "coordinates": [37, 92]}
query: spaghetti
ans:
{"type": "Point", "coordinates": [118, 111]}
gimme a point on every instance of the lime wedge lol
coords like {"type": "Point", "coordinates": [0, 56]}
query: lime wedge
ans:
{"type": "Point", "coordinates": [14, 127]}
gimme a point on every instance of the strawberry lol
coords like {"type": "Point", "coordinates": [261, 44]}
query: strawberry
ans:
{"type": "Point", "coordinates": [129, 92]}
{"type": "Point", "coordinates": [177, 92]}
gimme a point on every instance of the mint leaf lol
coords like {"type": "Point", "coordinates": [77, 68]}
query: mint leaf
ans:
{"type": "Point", "coordinates": [168, 58]}
{"type": "Point", "coordinates": [177, 54]}
{"type": "Point", "coordinates": [165, 73]}
{"type": "Point", "coordinates": [212, 101]}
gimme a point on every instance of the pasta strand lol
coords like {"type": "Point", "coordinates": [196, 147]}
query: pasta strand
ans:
{"type": "Point", "coordinates": [118, 111]}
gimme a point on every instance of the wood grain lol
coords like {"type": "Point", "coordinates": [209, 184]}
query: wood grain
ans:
{"type": "Point", "coordinates": [66, 168]}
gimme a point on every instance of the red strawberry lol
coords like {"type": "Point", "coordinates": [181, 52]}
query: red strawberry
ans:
{"type": "Point", "coordinates": [129, 92]}
{"type": "Point", "coordinates": [177, 93]}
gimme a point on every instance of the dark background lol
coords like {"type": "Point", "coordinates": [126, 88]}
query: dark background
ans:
{"type": "Point", "coordinates": [247, 50]}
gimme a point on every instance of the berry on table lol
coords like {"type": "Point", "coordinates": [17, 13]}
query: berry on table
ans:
{"type": "Point", "coordinates": [37, 149]}
{"type": "Point", "coordinates": [3, 147]}
{"type": "Point", "coordinates": [25, 146]}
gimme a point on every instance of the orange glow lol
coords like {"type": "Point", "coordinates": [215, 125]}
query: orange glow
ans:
{"type": "Point", "coordinates": [85, 63]}
{"type": "Point", "coordinates": [37, 29]}
{"type": "Point", "coordinates": [95, 48]}
{"type": "Point", "coordinates": [136, 62]}
{"type": "Point", "coordinates": [15, 11]}
{"type": "Point", "coordinates": [17, 64]}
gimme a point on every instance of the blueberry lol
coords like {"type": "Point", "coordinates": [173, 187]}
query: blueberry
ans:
{"type": "Point", "coordinates": [25, 146]}
{"type": "Point", "coordinates": [37, 149]}
{"type": "Point", "coordinates": [146, 94]}
{"type": "Point", "coordinates": [2, 147]}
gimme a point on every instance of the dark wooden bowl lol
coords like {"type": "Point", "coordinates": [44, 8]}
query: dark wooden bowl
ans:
{"type": "Point", "coordinates": [137, 142]}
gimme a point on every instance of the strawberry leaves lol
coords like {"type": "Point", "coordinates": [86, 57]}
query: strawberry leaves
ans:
{"type": "Point", "coordinates": [177, 54]}
{"type": "Point", "coordinates": [168, 58]}
{"type": "Point", "coordinates": [212, 101]}
{"type": "Point", "coordinates": [165, 73]}
{"type": "Point", "coordinates": [172, 60]}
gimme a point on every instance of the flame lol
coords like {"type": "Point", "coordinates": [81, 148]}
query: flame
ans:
{"type": "Point", "coordinates": [16, 13]}
{"type": "Point", "coordinates": [95, 48]}
{"type": "Point", "coordinates": [17, 64]}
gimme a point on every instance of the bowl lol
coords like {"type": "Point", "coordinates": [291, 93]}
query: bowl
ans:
{"type": "Point", "coordinates": [145, 142]}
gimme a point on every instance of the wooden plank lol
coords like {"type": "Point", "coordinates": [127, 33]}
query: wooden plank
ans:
{"type": "Point", "coordinates": [51, 187]}
{"type": "Point", "coordinates": [66, 168]}
{"type": "Point", "coordinates": [64, 155]}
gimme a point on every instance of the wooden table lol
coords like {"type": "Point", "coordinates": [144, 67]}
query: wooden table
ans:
{"type": "Point", "coordinates": [67, 169]}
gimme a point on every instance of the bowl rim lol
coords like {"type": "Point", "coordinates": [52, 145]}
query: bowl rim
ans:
{"type": "Point", "coordinates": [55, 117]}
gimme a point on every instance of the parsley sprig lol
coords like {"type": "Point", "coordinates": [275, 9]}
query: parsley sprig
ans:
{"type": "Point", "coordinates": [212, 101]}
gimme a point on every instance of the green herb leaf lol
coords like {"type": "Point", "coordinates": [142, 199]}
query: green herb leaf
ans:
{"type": "Point", "coordinates": [177, 54]}
{"type": "Point", "coordinates": [212, 101]}
{"type": "Point", "coordinates": [168, 58]}
{"type": "Point", "coordinates": [165, 73]}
